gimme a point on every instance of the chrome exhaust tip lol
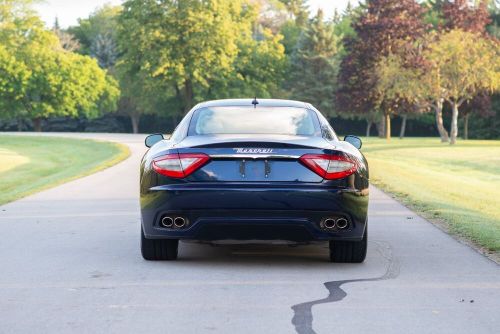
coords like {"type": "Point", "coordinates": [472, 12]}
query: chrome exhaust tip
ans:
{"type": "Point", "coordinates": [179, 222]}
{"type": "Point", "coordinates": [342, 223]}
{"type": "Point", "coordinates": [329, 223]}
{"type": "Point", "coordinates": [167, 222]}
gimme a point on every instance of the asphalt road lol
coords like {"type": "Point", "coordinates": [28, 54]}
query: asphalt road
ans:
{"type": "Point", "coordinates": [70, 263]}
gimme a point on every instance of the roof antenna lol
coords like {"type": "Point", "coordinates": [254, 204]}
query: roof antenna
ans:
{"type": "Point", "coordinates": [255, 102]}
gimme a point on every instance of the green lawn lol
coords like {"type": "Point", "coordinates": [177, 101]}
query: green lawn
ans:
{"type": "Point", "coordinates": [32, 164]}
{"type": "Point", "coordinates": [459, 185]}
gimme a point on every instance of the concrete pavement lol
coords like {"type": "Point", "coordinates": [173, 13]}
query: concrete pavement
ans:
{"type": "Point", "coordinates": [70, 262]}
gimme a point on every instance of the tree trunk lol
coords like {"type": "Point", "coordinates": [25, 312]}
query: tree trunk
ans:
{"type": "Point", "coordinates": [19, 122]}
{"type": "Point", "coordinates": [439, 122]}
{"type": "Point", "coordinates": [403, 126]}
{"type": "Point", "coordinates": [37, 124]}
{"type": "Point", "coordinates": [188, 95]}
{"type": "Point", "coordinates": [466, 126]}
{"type": "Point", "coordinates": [135, 118]}
{"type": "Point", "coordinates": [454, 123]}
{"type": "Point", "coordinates": [381, 127]}
{"type": "Point", "coordinates": [387, 126]}
{"type": "Point", "coordinates": [368, 128]}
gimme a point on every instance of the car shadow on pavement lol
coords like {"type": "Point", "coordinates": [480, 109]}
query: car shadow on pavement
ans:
{"type": "Point", "coordinates": [254, 253]}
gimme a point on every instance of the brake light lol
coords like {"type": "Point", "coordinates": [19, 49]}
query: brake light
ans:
{"type": "Point", "coordinates": [330, 167]}
{"type": "Point", "coordinates": [179, 165]}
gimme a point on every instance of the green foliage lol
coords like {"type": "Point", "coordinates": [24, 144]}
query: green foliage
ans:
{"type": "Point", "coordinates": [182, 45]}
{"type": "Point", "coordinates": [258, 69]}
{"type": "Point", "coordinates": [434, 13]}
{"type": "Point", "coordinates": [97, 34]}
{"type": "Point", "coordinates": [297, 10]}
{"type": "Point", "coordinates": [383, 27]}
{"type": "Point", "coordinates": [192, 50]}
{"type": "Point", "coordinates": [397, 81]}
{"type": "Point", "coordinates": [464, 64]}
{"type": "Point", "coordinates": [291, 33]}
{"type": "Point", "coordinates": [41, 78]}
{"type": "Point", "coordinates": [315, 65]}
{"type": "Point", "coordinates": [13, 78]}
{"type": "Point", "coordinates": [459, 66]}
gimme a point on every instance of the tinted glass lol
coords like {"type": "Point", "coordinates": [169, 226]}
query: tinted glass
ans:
{"type": "Point", "coordinates": [250, 120]}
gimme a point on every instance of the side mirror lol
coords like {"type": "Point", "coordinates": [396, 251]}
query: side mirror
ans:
{"type": "Point", "coordinates": [354, 141]}
{"type": "Point", "coordinates": [153, 139]}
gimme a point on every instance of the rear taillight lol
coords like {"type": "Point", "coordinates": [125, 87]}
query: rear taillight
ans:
{"type": "Point", "coordinates": [330, 167]}
{"type": "Point", "coordinates": [179, 165]}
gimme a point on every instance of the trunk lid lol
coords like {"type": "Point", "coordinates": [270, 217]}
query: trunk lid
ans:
{"type": "Point", "coordinates": [249, 158]}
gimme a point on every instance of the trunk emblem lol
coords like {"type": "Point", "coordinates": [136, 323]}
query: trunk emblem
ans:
{"type": "Point", "coordinates": [253, 150]}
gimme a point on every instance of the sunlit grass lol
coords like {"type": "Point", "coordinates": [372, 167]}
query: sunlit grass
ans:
{"type": "Point", "coordinates": [459, 184]}
{"type": "Point", "coordinates": [32, 164]}
{"type": "Point", "coordinates": [10, 160]}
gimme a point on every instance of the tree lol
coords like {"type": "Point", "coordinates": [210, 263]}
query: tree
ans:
{"type": "Point", "coordinates": [386, 26]}
{"type": "Point", "coordinates": [480, 104]}
{"type": "Point", "coordinates": [183, 44]}
{"type": "Point", "coordinates": [473, 17]}
{"type": "Point", "coordinates": [434, 13]}
{"type": "Point", "coordinates": [47, 80]}
{"type": "Point", "coordinates": [258, 70]}
{"type": "Point", "coordinates": [398, 81]}
{"type": "Point", "coordinates": [293, 27]}
{"type": "Point", "coordinates": [297, 11]}
{"type": "Point", "coordinates": [467, 64]}
{"type": "Point", "coordinates": [192, 50]}
{"type": "Point", "coordinates": [62, 83]}
{"type": "Point", "coordinates": [67, 40]}
{"type": "Point", "coordinates": [467, 16]}
{"type": "Point", "coordinates": [271, 15]}
{"type": "Point", "coordinates": [315, 65]}
{"type": "Point", "coordinates": [97, 35]}
{"type": "Point", "coordinates": [13, 78]}
{"type": "Point", "coordinates": [460, 65]}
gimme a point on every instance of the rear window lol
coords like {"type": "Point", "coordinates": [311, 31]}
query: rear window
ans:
{"type": "Point", "coordinates": [250, 120]}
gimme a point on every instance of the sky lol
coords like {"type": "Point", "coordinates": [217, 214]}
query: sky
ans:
{"type": "Point", "coordinates": [68, 11]}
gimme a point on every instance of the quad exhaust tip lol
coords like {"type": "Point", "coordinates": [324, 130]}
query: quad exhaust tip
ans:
{"type": "Point", "coordinates": [342, 223]}
{"type": "Point", "coordinates": [179, 222]}
{"type": "Point", "coordinates": [167, 222]}
{"type": "Point", "coordinates": [329, 223]}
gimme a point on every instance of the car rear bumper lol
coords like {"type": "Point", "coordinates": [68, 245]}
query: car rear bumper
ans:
{"type": "Point", "coordinates": [243, 212]}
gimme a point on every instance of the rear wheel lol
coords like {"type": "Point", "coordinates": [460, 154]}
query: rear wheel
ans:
{"type": "Point", "coordinates": [349, 251]}
{"type": "Point", "coordinates": [159, 249]}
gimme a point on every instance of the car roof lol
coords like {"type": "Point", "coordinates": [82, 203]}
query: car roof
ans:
{"type": "Point", "coordinates": [248, 102]}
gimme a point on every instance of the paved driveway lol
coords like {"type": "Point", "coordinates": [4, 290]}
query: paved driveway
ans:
{"type": "Point", "coordinates": [70, 263]}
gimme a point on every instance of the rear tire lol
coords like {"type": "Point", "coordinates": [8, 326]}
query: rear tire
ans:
{"type": "Point", "coordinates": [349, 251]}
{"type": "Point", "coordinates": [159, 249]}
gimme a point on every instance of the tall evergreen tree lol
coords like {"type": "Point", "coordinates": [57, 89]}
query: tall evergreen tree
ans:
{"type": "Point", "coordinates": [67, 40]}
{"type": "Point", "coordinates": [315, 65]}
{"type": "Point", "coordinates": [297, 10]}
{"type": "Point", "coordinates": [104, 49]}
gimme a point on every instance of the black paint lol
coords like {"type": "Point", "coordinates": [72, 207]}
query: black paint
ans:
{"type": "Point", "coordinates": [303, 317]}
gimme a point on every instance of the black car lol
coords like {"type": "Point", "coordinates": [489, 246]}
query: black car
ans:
{"type": "Point", "coordinates": [249, 171]}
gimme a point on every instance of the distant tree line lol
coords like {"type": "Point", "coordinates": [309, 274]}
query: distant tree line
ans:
{"type": "Point", "coordinates": [435, 61]}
